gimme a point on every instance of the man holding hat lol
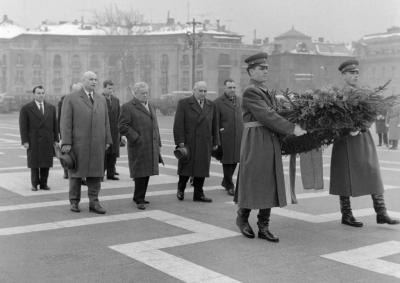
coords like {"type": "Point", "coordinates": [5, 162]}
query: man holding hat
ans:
{"type": "Point", "coordinates": [354, 163]}
{"type": "Point", "coordinates": [260, 182]}
{"type": "Point", "coordinates": [195, 130]}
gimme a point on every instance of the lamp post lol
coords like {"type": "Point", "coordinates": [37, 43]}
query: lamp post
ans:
{"type": "Point", "coordinates": [194, 41]}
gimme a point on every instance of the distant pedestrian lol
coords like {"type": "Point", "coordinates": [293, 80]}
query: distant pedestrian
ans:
{"type": "Point", "coordinates": [85, 131]}
{"type": "Point", "coordinates": [393, 122]}
{"type": "Point", "coordinates": [382, 129]}
{"type": "Point", "coordinates": [196, 133]}
{"type": "Point", "coordinates": [39, 135]}
{"type": "Point", "coordinates": [138, 123]}
{"type": "Point", "coordinates": [112, 153]}
{"type": "Point", "coordinates": [230, 128]}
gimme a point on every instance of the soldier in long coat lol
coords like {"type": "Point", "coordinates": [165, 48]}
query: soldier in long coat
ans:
{"type": "Point", "coordinates": [85, 130]}
{"type": "Point", "coordinates": [393, 122]}
{"type": "Point", "coordinates": [38, 129]}
{"type": "Point", "coordinates": [113, 107]}
{"type": "Point", "coordinates": [230, 128]}
{"type": "Point", "coordinates": [354, 163]}
{"type": "Point", "coordinates": [382, 129]}
{"type": "Point", "coordinates": [195, 128]}
{"type": "Point", "coordinates": [261, 182]}
{"type": "Point", "coordinates": [138, 122]}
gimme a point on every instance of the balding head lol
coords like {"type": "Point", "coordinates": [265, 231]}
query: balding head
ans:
{"type": "Point", "coordinates": [89, 81]}
{"type": "Point", "coordinates": [200, 90]}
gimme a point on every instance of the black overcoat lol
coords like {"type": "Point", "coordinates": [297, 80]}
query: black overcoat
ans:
{"type": "Point", "coordinates": [40, 131]}
{"type": "Point", "coordinates": [113, 114]}
{"type": "Point", "coordinates": [140, 127]}
{"type": "Point", "coordinates": [230, 128]}
{"type": "Point", "coordinates": [197, 129]}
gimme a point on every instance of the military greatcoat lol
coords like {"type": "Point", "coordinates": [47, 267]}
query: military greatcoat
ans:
{"type": "Point", "coordinates": [354, 165]}
{"type": "Point", "coordinates": [261, 181]}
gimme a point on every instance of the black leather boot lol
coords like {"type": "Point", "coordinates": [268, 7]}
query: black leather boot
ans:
{"type": "Point", "coordinates": [381, 213]}
{"type": "Point", "coordinates": [347, 214]}
{"type": "Point", "coordinates": [242, 221]}
{"type": "Point", "coordinates": [263, 225]}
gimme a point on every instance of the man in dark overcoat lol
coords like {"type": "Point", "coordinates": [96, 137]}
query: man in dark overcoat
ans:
{"type": "Point", "coordinates": [39, 134]}
{"type": "Point", "coordinates": [260, 182]}
{"type": "Point", "coordinates": [354, 163]}
{"type": "Point", "coordinates": [138, 123]}
{"type": "Point", "coordinates": [230, 128]}
{"type": "Point", "coordinates": [195, 128]}
{"type": "Point", "coordinates": [85, 130]}
{"type": "Point", "coordinates": [112, 153]}
{"type": "Point", "coordinates": [73, 88]}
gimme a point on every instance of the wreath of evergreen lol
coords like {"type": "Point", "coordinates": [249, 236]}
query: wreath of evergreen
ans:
{"type": "Point", "coordinates": [329, 114]}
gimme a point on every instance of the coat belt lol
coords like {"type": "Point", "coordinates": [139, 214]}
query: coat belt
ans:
{"type": "Point", "coordinates": [253, 124]}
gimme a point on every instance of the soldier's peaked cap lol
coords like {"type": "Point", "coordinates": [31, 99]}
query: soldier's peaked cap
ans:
{"type": "Point", "coordinates": [349, 65]}
{"type": "Point", "coordinates": [257, 59]}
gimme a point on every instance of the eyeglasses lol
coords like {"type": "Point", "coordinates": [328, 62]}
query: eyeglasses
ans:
{"type": "Point", "coordinates": [202, 90]}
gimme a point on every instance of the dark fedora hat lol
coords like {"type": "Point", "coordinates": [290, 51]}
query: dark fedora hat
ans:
{"type": "Point", "coordinates": [181, 153]}
{"type": "Point", "coordinates": [68, 160]}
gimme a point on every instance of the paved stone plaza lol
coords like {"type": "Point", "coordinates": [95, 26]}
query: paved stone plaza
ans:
{"type": "Point", "coordinates": [172, 241]}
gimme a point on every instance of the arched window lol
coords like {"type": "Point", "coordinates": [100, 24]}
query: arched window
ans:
{"type": "Point", "coordinates": [75, 62]}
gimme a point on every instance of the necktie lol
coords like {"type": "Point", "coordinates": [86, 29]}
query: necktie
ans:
{"type": "Point", "coordinates": [41, 108]}
{"type": "Point", "coordinates": [91, 97]}
{"type": "Point", "coordinates": [201, 103]}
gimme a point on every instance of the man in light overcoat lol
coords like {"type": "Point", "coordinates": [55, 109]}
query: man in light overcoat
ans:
{"type": "Point", "coordinates": [85, 130]}
{"type": "Point", "coordinates": [138, 123]}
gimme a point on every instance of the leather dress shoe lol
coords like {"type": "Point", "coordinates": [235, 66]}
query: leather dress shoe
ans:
{"type": "Point", "coordinates": [351, 221]}
{"type": "Point", "coordinates": [97, 208]}
{"type": "Point", "coordinates": [46, 188]}
{"type": "Point", "coordinates": [267, 235]}
{"type": "Point", "coordinates": [180, 195]}
{"type": "Point", "coordinates": [145, 201]}
{"type": "Point", "coordinates": [116, 173]}
{"type": "Point", "coordinates": [75, 207]}
{"type": "Point", "coordinates": [245, 228]}
{"type": "Point", "coordinates": [34, 188]}
{"type": "Point", "coordinates": [231, 192]}
{"type": "Point", "coordinates": [113, 178]}
{"type": "Point", "coordinates": [202, 199]}
{"type": "Point", "coordinates": [141, 206]}
{"type": "Point", "coordinates": [385, 219]}
{"type": "Point", "coordinates": [83, 182]}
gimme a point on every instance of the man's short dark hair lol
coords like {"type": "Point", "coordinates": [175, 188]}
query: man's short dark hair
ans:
{"type": "Point", "coordinates": [107, 83]}
{"type": "Point", "coordinates": [228, 81]}
{"type": "Point", "coordinates": [39, 87]}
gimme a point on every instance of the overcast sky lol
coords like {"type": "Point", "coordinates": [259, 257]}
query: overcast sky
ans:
{"type": "Point", "coordinates": [335, 20]}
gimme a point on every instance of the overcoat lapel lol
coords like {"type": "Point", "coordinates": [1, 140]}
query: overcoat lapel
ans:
{"type": "Point", "coordinates": [86, 99]}
{"type": "Point", "coordinates": [140, 107]}
{"type": "Point", "coordinates": [35, 110]}
{"type": "Point", "coordinates": [227, 102]}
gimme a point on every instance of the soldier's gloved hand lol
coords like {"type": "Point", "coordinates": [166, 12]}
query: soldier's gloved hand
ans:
{"type": "Point", "coordinates": [66, 148]}
{"type": "Point", "coordinates": [26, 145]}
{"type": "Point", "coordinates": [107, 146]}
{"type": "Point", "coordinates": [298, 131]}
{"type": "Point", "coordinates": [181, 144]}
{"type": "Point", "coordinates": [354, 133]}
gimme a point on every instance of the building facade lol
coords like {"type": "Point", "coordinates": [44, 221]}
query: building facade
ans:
{"type": "Point", "coordinates": [57, 55]}
{"type": "Point", "coordinates": [379, 56]}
